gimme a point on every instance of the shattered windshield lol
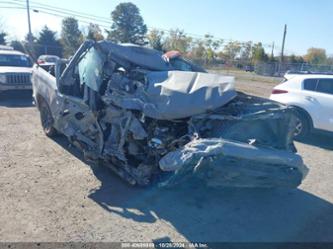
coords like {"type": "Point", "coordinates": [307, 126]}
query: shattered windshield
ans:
{"type": "Point", "coordinates": [146, 58]}
{"type": "Point", "coordinates": [91, 69]}
{"type": "Point", "coordinates": [181, 64]}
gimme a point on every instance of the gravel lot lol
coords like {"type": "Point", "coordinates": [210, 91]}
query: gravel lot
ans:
{"type": "Point", "coordinates": [49, 194]}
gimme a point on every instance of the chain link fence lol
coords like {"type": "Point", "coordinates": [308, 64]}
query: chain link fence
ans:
{"type": "Point", "coordinates": [279, 69]}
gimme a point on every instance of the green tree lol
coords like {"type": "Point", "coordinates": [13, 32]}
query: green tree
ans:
{"type": "Point", "coordinates": [198, 50]}
{"type": "Point", "coordinates": [316, 56]}
{"type": "Point", "coordinates": [3, 38]}
{"type": "Point", "coordinates": [177, 40]}
{"type": "Point", "coordinates": [17, 45]}
{"type": "Point", "coordinates": [246, 52]}
{"type": "Point", "coordinates": [3, 34]}
{"type": "Point", "coordinates": [47, 43]}
{"type": "Point", "coordinates": [30, 48]}
{"type": "Point", "coordinates": [71, 36]}
{"type": "Point", "coordinates": [1, 24]}
{"type": "Point", "coordinates": [258, 53]}
{"type": "Point", "coordinates": [155, 39]}
{"type": "Point", "coordinates": [94, 32]}
{"type": "Point", "coordinates": [204, 51]}
{"type": "Point", "coordinates": [128, 25]}
{"type": "Point", "coordinates": [212, 43]}
{"type": "Point", "coordinates": [211, 47]}
{"type": "Point", "coordinates": [295, 59]}
{"type": "Point", "coordinates": [33, 38]}
{"type": "Point", "coordinates": [232, 49]}
{"type": "Point", "coordinates": [330, 60]}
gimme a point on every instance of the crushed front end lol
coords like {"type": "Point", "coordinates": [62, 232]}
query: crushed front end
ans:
{"type": "Point", "coordinates": [164, 124]}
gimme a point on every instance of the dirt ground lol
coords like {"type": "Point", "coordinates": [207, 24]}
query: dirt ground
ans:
{"type": "Point", "coordinates": [47, 193]}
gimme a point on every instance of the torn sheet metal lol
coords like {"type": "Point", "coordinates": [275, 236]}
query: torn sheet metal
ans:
{"type": "Point", "coordinates": [219, 162]}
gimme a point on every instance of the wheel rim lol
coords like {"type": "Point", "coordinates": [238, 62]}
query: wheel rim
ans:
{"type": "Point", "coordinates": [298, 128]}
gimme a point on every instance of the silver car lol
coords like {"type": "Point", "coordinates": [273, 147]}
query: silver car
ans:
{"type": "Point", "coordinates": [157, 118]}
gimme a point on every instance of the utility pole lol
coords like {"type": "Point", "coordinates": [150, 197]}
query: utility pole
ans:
{"type": "Point", "coordinates": [283, 41]}
{"type": "Point", "coordinates": [272, 53]}
{"type": "Point", "coordinates": [282, 49]}
{"type": "Point", "coordinates": [29, 26]}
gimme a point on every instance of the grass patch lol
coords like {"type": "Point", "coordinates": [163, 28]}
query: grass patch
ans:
{"type": "Point", "coordinates": [247, 76]}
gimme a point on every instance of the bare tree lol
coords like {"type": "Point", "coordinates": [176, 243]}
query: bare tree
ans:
{"type": "Point", "coordinates": [178, 40]}
{"type": "Point", "coordinates": [2, 24]}
{"type": "Point", "coordinates": [155, 39]}
{"type": "Point", "coordinates": [3, 34]}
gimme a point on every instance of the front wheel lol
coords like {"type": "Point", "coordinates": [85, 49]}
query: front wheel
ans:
{"type": "Point", "coordinates": [46, 119]}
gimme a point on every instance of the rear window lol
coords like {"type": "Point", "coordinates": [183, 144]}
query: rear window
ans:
{"type": "Point", "coordinates": [310, 84]}
{"type": "Point", "coordinates": [51, 59]}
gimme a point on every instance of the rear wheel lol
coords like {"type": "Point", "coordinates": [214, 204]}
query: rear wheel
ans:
{"type": "Point", "coordinates": [303, 126]}
{"type": "Point", "coordinates": [46, 119]}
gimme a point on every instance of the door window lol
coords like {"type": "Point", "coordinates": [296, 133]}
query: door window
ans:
{"type": "Point", "coordinates": [325, 86]}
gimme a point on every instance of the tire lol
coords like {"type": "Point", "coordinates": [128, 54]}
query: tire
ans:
{"type": "Point", "coordinates": [46, 119]}
{"type": "Point", "coordinates": [303, 125]}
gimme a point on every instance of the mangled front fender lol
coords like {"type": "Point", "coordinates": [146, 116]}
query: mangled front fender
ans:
{"type": "Point", "coordinates": [219, 162]}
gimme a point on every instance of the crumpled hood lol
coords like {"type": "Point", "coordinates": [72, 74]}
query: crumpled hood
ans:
{"type": "Point", "coordinates": [15, 69]}
{"type": "Point", "coordinates": [176, 94]}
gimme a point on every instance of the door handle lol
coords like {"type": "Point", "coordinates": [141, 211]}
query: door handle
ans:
{"type": "Point", "coordinates": [310, 98]}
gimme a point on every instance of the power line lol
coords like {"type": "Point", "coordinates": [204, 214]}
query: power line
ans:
{"type": "Point", "coordinates": [68, 13]}
{"type": "Point", "coordinates": [55, 10]}
{"type": "Point", "coordinates": [61, 14]}
{"type": "Point", "coordinates": [67, 10]}
{"type": "Point", "coordinates": [101, 21]}
{"type": "Point", "coordinates": [10, 2]}
{"type": "Point", "coordinates": [10, 7]}
{"type": "Point", "coordinates": [64, 16]}
{"type": "Point", "coordinates": [97, 19]}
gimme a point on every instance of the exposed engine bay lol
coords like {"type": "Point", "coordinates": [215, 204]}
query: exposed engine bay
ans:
{"type": "Point", "coordinates": [158, 119]}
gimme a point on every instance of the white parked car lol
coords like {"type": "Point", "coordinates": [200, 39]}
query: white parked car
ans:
{"type": "Point", "coordinates": [312, 95]}
{"type": "Point", "coordinates": [15, 70]}
{"type": "Point", "coordinates": [47, 59]}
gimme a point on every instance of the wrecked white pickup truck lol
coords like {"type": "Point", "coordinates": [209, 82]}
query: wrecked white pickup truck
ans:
{"type": "Point", "coordinates": [155, 118]}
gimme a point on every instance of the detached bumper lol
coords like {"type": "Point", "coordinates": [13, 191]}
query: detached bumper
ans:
{"type": "Point", "coordinates": [218, 162]}
{"type": "Point", "coordinates": [5, 87]}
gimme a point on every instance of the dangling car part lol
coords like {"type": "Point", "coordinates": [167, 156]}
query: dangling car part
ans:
{"type": "Point", "coordinates": [157, 118]}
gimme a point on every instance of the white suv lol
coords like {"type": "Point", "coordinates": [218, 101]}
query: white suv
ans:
{"type": "Point", "coordinates": [15, 70]}
{"type": "Point", "coordinates": [312, 95]}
